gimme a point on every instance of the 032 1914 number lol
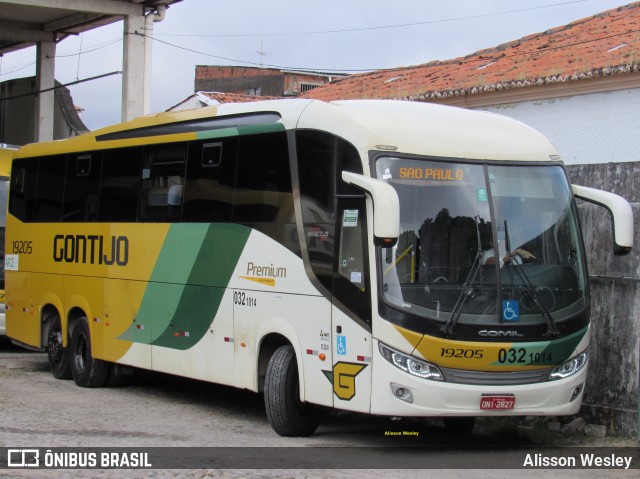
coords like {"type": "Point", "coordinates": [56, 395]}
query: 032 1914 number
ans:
{"type": "Point", "coordinates": [241, 299]}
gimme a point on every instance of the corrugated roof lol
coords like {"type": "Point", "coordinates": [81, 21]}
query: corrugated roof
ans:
{"type": "Point", "coordinates": [605, 44]}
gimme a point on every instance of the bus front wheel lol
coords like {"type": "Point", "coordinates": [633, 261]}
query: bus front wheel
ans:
{"type": "Point", "coordinates": [287, 415]}
{"type": "Point", "coordinates": [88, 372]}
{"type": "Point", "coordinates": [58, 355]}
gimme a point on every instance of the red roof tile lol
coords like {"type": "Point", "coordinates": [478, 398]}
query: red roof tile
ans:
{"type": "Point", "coordinates": [235, 97]}
{"type": "Point", "coordinates": [606, 44]}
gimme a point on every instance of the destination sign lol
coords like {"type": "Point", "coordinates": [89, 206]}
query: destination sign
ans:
{"type": "Point", "coordinates": [422, 173]}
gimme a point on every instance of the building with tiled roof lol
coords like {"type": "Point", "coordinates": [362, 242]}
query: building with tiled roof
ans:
{"type": "Point", "coordinates": [574, 56]}
{"type": "Point", "coordinates": [259, 81]}
{"type": "Point", "coordinates": [578, 83]}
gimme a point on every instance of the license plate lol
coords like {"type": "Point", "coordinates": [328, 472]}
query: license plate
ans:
{"type": "Point", "coordinates": [506, 401]}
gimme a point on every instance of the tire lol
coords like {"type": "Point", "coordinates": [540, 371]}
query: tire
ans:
{"type": "Point", "coordinates": [58, 355]}
{"type": "Point", "coordinates": [287, 415]}
{"type": "Point", "coordinates": [87, 371]}
{"type": "Point", "coordinates": [460, 426]}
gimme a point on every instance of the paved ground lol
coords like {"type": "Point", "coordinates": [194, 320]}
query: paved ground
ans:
{"type": "Point", "coordinates": [156, 410]}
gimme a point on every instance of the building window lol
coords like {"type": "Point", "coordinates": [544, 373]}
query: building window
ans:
{"type": "Point", "coordinates": [305, 87]}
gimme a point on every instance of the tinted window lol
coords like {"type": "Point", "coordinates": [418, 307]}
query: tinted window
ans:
{"type": "Point", "coordinates": [321, 158]}
{"type": "Point", "coordinates": [82, 187]}
{"type": "Point", "coordinates": [263, 186]}
{"type": "Point", "coordinates": [50, 188]}
{"type": "Point", "coordinates": [120, 184]}
{"type": "Point", "coordinates": [163, 182]}
{"type": "Point", "coordinates": [211, 173]}
{"type": "Point", "coordinates": [23, 189]}
{"type": "Point", "coordinates": [351, 278]}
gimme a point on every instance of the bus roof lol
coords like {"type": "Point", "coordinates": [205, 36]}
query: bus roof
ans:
{"type": "Point", "coordinates": [408, 127]}
{"type": "Point", "coordinates": [439, 131]}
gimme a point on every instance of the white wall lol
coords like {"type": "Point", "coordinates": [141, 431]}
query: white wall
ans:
{"type": "Point", "coordinates": [590, 128]}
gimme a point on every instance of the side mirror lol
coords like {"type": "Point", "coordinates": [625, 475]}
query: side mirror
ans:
{"type": "Point", "coordinates": [620, 211]}
{"type": "Point", "coordinates": [386, 207]}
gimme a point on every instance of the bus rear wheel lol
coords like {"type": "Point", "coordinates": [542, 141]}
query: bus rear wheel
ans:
{"type": "Point", "coordinates": [58, 355]}
{"type": "Point", "coordinates": [287, 415]}
{"type": "Point", "coordinates": [87, 371]}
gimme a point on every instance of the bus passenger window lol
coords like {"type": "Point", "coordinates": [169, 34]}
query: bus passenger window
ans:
{"type": "Point", "coordinates": [263, 185]}
{"type": "Point", "coordinates": [50, 186]}
{"type": "Point", "coordinates": [82, 187]}
{"type": "Point", "coordinates": [120, 185]}
{"type": "Point", "coordinates": [211, 174]}
{"type": "Point", "coordinates": [23, 189]}
{"type": "Point", "coordinates": [162, 182]}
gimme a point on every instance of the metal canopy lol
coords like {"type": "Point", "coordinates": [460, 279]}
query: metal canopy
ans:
{"type": "Point", "coordinates": [23, 23]}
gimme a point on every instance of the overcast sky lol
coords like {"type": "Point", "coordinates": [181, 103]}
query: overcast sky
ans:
{"type": "Point", "coordinates": [338, 35]}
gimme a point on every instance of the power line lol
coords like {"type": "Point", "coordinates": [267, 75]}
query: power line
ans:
{"type": "Point", "coordinates": [99, 46]}
{"type": "Point", "coordinates": [94, 48]}
{"type": "Point", "coordinates": [97, 77]}
{"type": "Point", "coordinates": [379, 27]}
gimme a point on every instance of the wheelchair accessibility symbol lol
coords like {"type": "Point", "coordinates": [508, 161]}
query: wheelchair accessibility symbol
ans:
{"type": "Point", "coordinates": [511, 310]}
{"type": "Point", "coordinates": [341, 345]}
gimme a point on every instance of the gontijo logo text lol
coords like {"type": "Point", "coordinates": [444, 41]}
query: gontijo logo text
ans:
{"type": "Point", "coordinates": [91, 249]}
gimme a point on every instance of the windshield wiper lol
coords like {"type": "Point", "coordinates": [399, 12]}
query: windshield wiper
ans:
{"type": "Point", "coordinates": [552, 329]}
{"type": "Point", "coordinates": [467, 289]}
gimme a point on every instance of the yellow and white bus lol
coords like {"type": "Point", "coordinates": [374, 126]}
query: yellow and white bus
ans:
{"type": "Point", "coordinates": [6, 154]}
{"type": "Point", "coordinates": [330, 255]}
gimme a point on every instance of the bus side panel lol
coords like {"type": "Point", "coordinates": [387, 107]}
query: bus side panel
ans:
{"type": "Point", "coordinates": [124, 337]}
{"type": "Point", "coordinates": [304, 320]}
{"type": "Point", "coordinates": [193, 343]}
{"type": "Point", "coordinates": [351, 364]}
{"type": "Point", "coordinates": [23, 323]}
{"type": "Point", "coordinates": [49, 290]}
{"type": "Point", "coordinates": [212, 358]}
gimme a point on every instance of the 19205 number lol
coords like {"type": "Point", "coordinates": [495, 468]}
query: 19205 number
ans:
{"type": "Point", "coordinates": [461, 353]}
{"type": "Point", "coordinates": [22, 247]}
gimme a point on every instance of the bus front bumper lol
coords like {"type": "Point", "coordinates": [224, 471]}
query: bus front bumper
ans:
{"type": "Point", "coordinates": [398, 393]}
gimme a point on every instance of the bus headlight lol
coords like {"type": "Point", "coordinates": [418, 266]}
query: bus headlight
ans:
{"type": "Point", "coordinates": [569, 368]}
{"type": "Point", "coordinates": [411, 365]}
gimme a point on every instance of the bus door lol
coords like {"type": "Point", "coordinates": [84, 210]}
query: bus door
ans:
{"type": "Point", "coordinates": [351, 309]}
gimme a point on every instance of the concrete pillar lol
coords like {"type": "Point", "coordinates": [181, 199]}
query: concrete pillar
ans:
{"type": "Point", "coordinates": [133, 68]}
{"type": "Point", "coordinates": [45, 102]}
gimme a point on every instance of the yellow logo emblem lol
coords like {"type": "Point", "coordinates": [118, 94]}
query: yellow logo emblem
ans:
{"type": "Point", "coordinates": [343, 378]}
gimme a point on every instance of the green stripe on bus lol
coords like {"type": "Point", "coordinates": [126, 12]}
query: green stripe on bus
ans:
{"type": "Point", "coordinates": [193, 269]}
{"type": "Point", "coordinates": [241, 130]}
{"type": "Point", "coordinates": [216, 262]}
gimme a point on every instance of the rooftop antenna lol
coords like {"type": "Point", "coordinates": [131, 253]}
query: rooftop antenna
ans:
{"type": "Point", "coordinates": [262, 54]}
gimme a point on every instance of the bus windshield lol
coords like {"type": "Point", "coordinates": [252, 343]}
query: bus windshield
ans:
{"type": "Point", "coordinates": [483, 244]}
